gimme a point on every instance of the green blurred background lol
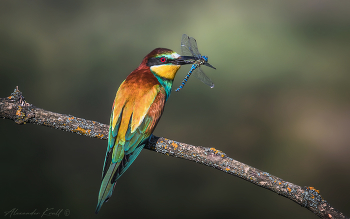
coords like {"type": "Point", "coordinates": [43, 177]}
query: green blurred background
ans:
{"type": "Point", "coordinates": [280, 104]}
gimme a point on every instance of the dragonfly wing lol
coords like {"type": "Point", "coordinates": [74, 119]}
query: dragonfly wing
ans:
{"type": "Point", "coordinates": [186, 46]}
{"type": "Point", "coordinates": [194, 47]}
{"type": "Point", "coordinates": [198, 73]}
{"type": "Point", "coordinates": [209, 65]}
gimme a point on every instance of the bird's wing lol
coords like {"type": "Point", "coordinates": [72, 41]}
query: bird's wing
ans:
{"type": "Point", "coordinates": [132, 122]}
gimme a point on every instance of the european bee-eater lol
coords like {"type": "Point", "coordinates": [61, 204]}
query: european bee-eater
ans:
{"type": "Point", "coordinates": [137, 108]}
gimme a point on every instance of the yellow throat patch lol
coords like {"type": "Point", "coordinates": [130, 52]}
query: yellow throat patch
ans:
{"type": "Point", "coordinates": [166, 71]}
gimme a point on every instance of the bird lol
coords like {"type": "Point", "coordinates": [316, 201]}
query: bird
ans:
{"type": "Point", "coordinates": [137, 108]}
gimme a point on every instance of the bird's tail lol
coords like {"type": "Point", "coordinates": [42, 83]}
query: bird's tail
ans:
{"type": "Point", "coordinates": [107, 186]}
{"type": "Point", "coordinates": [109, 180]}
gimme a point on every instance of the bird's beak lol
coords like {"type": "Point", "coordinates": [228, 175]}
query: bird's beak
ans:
{"type": "Point", "coordinates": [184, 60]}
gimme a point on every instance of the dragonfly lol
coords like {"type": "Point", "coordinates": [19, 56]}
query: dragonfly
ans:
{"type": "Point", "coordinates": [189, 49]}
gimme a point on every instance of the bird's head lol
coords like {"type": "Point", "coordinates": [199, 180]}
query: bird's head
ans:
{"type": "Point", "coordinates": [165, 62]}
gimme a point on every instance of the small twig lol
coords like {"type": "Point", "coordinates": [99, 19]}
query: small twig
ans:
{"type": "Point", "coordinates": [16, 108]}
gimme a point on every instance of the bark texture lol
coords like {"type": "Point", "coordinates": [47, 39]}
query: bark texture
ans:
{"type": "Point", "coordinates": [17, 109]}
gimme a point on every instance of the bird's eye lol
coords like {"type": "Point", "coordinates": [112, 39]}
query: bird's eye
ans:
{"type": "Point", "coordinates": [163, 59]}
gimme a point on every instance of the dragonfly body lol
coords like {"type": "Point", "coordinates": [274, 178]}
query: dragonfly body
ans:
{"type": "Point", "coordinates": [195, 65]}
{"type": "Point", "coordinates": [189, 49]}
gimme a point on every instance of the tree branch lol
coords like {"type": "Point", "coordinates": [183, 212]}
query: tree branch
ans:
{"type": "Point", "coordinates": [16, 108]}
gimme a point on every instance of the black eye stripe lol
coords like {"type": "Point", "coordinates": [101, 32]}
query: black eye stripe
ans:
{"type": "Point", "coordinates": [159, 61]}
